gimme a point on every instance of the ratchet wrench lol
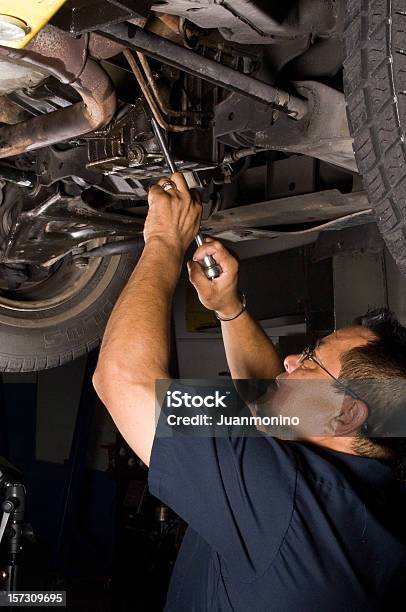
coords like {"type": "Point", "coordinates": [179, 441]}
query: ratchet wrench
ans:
{"type": "Point", "coordinates": [210, 266]}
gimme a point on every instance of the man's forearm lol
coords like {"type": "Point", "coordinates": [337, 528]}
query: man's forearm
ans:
{"type": "Point", "coordinates": [250, 353]}
{"type": "Point", "coordinates": [135, 348]}
{"type": "Point", "coordinates": [137, 338]}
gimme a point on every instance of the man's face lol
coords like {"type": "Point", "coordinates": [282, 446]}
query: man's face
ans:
{"type": "Point", "coordinates": [306, 391]}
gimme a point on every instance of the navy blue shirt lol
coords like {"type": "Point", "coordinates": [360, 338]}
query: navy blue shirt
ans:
{"type": "Point", "coordinates": [280, 526]}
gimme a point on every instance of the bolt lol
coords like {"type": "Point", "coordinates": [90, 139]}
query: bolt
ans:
{"type": "Point", "coordinates": [136, 155]}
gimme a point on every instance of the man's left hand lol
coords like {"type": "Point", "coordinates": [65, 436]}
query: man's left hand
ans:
{"type": "Point", "coordinates": [174, 215]}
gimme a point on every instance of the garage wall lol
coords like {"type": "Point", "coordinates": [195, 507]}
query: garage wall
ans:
{"type": "Point", "coordinates": [396, 284]}
{"type": "Point", "coordinates": [359, 284]}
{"type": "Point", "coordinates": [365, 281]}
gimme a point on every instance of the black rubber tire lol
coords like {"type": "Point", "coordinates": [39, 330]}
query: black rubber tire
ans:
{"type": "Point", "coordinates": [375, 89]}
{"type": "Point", "coordinates": [46, 339]}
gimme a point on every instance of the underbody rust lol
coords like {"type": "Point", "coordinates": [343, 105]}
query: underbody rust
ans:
{"type": "Point", "coordinates": [67, 59]}
{"type": "Point", "coordinates": [70, 60]}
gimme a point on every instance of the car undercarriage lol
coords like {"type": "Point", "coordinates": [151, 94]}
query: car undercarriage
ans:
{"type": "Point", "coordinates": [251, 96]}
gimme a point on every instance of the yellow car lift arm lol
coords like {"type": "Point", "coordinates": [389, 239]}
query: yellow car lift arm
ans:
{"type": "Point", "coordinates": [21, 20]}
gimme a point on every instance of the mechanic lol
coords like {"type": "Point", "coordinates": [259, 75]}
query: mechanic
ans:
{"type": "Point", "coordinates": [313, 524]}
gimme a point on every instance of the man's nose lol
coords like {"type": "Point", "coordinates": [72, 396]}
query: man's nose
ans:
{"type": "Point", "coordinates": [291, 362]}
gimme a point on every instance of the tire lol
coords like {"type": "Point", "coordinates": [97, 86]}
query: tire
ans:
{"type": "Point", "coordinates": [39, 335]}
{"type": "Point", "coordinates": [375, 89]}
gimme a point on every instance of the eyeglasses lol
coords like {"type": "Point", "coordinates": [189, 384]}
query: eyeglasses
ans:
{"type": "Point", "coordinates": [308, 354]}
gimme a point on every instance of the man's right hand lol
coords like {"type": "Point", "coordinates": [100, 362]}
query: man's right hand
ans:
{"type": "Point", "coordinates": [219, 294]}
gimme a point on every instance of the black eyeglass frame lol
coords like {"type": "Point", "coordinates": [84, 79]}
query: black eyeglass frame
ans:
{"type": "Point", "coordinates": [308, 353]}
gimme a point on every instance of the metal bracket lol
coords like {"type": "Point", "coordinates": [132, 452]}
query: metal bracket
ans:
{"type": "Point", "coordinates": [46, 233]}
{"type": "Point", "coordinates": [348, 240]}
{"type": "Point", "coordinates": [79, 16]}
{"type": "Point", "coordinates": [54, 165]}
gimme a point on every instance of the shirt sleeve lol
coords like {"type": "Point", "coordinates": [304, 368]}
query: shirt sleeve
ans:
{"type": "Point", "coordinates": [236, 491]}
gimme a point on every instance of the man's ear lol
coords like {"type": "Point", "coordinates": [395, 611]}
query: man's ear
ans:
{"type": "Point", "coordinates": [354, 412]}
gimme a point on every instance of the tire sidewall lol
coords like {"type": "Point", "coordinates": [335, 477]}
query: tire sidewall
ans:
{"type": "Point", "coordinates": [45, 339]}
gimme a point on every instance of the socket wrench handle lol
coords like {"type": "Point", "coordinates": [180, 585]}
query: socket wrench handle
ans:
{"type": "Point", "coordinates": [159, 133]}
{"type": "Point", "coordinates": [210, 266]}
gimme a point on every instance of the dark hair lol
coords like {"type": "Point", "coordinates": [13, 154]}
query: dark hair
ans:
{"type": "Point", "coordinates": [376, 373]}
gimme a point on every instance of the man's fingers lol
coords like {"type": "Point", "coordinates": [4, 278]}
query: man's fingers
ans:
{"type": "Point", "coordinates": [195, 195]}
{"type": "Point", "coordinates": [155, 189]}
{"type": "Point", "coordinates": [219, 252]}
{"type": "Point", "coordinates": [196, 274]}
{"type": "Point", "coordinates": [170, 191]}
{"type": "Point", "coordinates": [155, 192]}
{"type": "Point", "coordinates": [179, 180]}
{"type": "Point", "coordinates": [179, 188]}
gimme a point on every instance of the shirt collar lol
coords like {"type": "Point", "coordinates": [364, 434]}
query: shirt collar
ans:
{"type": "Point", "coordinates": [324, 460]}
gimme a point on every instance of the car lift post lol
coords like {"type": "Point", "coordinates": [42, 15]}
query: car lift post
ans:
{"type": "Point", "coordinates": [76, 469]}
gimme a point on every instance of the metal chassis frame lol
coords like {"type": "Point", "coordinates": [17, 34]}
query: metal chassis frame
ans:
{"type": "Point", "coordinates": [61, 224]}
{"type": "Point", "coordinates": [184, 59]}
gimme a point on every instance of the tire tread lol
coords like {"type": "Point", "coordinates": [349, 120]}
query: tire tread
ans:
{"type": "Point", "coordinates": [375, 88]}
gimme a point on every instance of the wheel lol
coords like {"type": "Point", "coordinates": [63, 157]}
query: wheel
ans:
{"type": "Point", "coordinates": [53, 320]}
{"type": "Point", "coordinates": [375, 89]}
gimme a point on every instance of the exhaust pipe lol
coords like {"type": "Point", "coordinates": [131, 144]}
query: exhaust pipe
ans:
{"type": "Point", "coordinates": [67, 59]}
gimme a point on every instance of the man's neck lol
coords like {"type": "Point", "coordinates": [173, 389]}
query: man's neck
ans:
{"type": "Point", "coordinates": [341, 444]}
